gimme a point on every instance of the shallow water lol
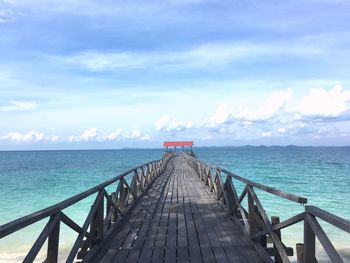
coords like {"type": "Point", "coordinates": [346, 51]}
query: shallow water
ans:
{"type": "Point", "coordinates": [33, 180]}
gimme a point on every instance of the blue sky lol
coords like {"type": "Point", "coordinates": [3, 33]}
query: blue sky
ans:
{"type": "Point", "coordinates": [110, 74]}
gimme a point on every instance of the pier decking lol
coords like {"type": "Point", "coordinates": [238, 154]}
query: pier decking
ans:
{"type": "Point", "coordinates": [179, 221]}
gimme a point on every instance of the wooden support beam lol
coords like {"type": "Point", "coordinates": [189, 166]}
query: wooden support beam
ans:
{"type": "Point", "coordinates": [52, 245]}
{"type": "Point", "coordinates": [70, 223]}
{"type": "Point", "coordinates": [334, 220]}
{"type": "Point", "coordinates": [277, 242]}
{"type": "Point", "coordinates": [88, 220]}
{"type": "Point", "coordinates": [300, 252]}
{"type": "Point", "coordinates": [324, 240]}
{"type": "Point", "coordinates": [288, 222]}
{"type": "Point", "coordinates": [263, 238]}
{"type": "Point", "coordinates": [274, 221]}
{"type": "Point", "coordinates": [309, 243]}
{"type": "Point", "coordinates": [251, 215]}
{"type": "Point", "coordinates": [33, 252]}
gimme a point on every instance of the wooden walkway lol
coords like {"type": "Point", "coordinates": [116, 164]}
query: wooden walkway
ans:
{"type": "Point", "coordinates": [177, 220]}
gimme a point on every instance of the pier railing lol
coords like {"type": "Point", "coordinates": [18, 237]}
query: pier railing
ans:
{"type": "Point", "coordinates": [257, 224]}
{"type": "Point", "coordinates": [98, 223]}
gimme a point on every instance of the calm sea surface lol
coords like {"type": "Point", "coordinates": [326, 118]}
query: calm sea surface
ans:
{"type": "Point", "coordinates": [30, 181]}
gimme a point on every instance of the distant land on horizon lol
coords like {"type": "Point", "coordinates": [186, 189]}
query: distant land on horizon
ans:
{"type": "Point", "coordinates": [179, 149]}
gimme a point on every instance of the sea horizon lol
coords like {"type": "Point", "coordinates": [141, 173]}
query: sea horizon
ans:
{"type": "Point", "coordinates": [179, 149]}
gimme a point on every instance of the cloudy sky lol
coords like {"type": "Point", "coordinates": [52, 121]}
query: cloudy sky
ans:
{"type": "Point", "coordinates": [109, 74]}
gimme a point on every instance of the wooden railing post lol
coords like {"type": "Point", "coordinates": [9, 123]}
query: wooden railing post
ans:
{"type": "Point", "coordinates": [274, 221]}
{"type": "Point", "coordinates": [262, 239]}
{"type": "Point", "coordinates": [300, 252]}
{"type": "Point", "coordinates": [198, 169]}
{"type": "Point", "coordinates": [97, 223]}
{"type": "Point", "coordinates": [99, 220]}
{"type": "Point", "coordinates": [148, 175]}
{"type": "Point", "coordinates": [152, 171]}
{"type": "Point", "coordinates": [114, 216]}
{"type": "Point", "coordinates": [251, 214]}
{"type": "Point", "coordinates": [135, 184]}
{"type": "Point", "coordinates": [309, 243]}
{"type": "Point", "coordinates": [122, 196]}
{"type": "Point", "coordinates": [52, 245]}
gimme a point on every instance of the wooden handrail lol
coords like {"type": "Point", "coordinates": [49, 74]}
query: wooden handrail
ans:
{"type": "Point", "coordinates": [256, 222]}
{"type": "Point", "coordinates": [268, 189]}
{"type": "Point", "coordinates": [332, 219]}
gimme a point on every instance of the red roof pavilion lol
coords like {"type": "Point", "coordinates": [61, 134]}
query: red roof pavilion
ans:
{"type": "Point", "coordinates": [178, 144]}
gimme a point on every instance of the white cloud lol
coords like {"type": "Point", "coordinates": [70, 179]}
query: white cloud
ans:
{"type": "Point", "coordinates": [165, 123]}
{"type": "Point", "coordinates": [19, 106]}
{"type": "Point", "coordinates": [324, 103]}
{"type": "Point", "coordinates": [221, 115]}
{"type": "Point", "coordinates": [206, 55]}
{"type": "Point", "coordinates": [280, 115]}
{"type": "Point", "coordinates": [266, 134]}
{"type": "Point", "coordinates": [111, 135]}
{"type": "Point", "coordinates": [88, 135]}
{"type": "Point", "coordinates": [162, 122]}
{"type": "Point", "coordinates": [311, 114]}
{"type": "Point", "coordinates": [92, 135]}
{"type": "Point", "coordinates": [274, 104]}
{"type": "Point", "coordinates": [30, 137]}
{"type": "Point", "coordinates": [121, 134]}
{"type": "Point", "coordinates": [134, 134]}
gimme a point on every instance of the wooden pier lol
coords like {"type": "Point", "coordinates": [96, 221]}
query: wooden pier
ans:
{"type": "Point", "coordinates": [178, 209]}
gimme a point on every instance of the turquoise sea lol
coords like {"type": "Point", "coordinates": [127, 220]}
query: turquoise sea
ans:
{"type": "Point", "coordinates": [32, 180]}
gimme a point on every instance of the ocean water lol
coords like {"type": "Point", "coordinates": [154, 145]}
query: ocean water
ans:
{"type": "Point", "coordinates": [30, 181]}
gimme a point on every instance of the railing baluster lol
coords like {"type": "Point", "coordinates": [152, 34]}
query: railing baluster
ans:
{"type": "Point", "coordinates": [52, 245]}
{"type": "Point", "coordinates": [42, 238]}
{"type": "Point", "coordinates": [309, 243]}
{"type": "Point", "coordinates": [324, 240]}
{"type": "Point", "coordinates": [79, 239]}
{"type": "Point", "coordinates": [277, 242]}
{"type": "Point", "coordinates": [143, 179]}
{"type": "Point", "coordinates": [300, 252]}
{"type": "Point", "coordinates": [251, 216]}
{"type": "Point", "coordinates": [274, 221]}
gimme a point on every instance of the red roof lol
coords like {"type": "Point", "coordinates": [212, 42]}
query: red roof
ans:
{"type": "Point", "coordinates": [178, 143]}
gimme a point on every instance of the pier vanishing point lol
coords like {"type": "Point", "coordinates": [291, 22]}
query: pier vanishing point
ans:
{"type": "Point", "coordinates": [178, 209]}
